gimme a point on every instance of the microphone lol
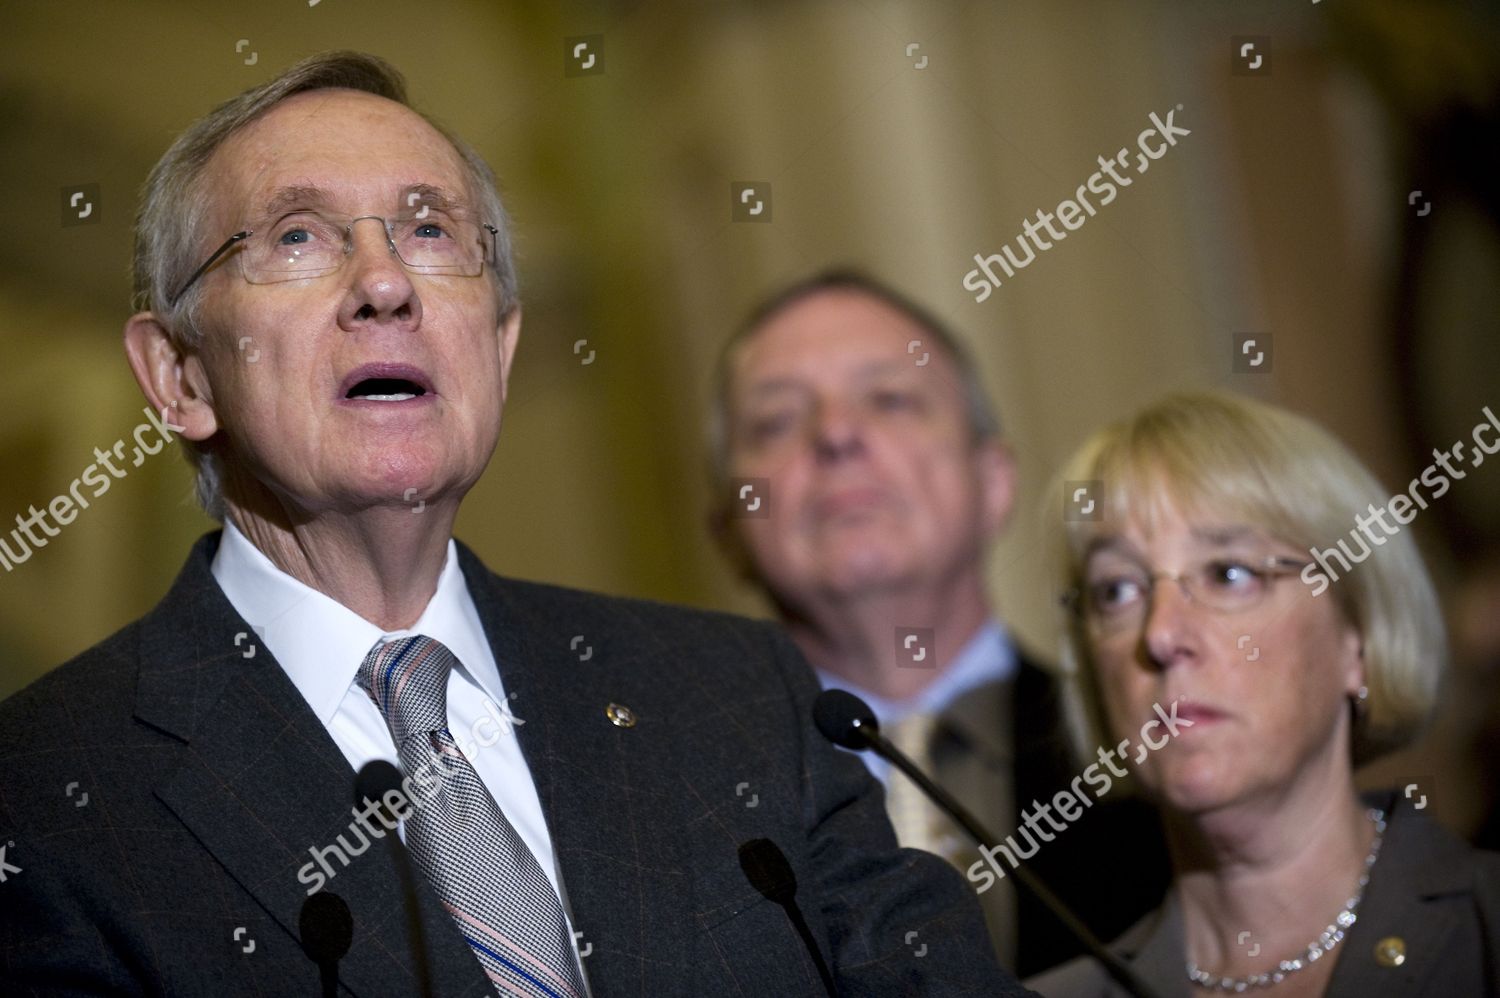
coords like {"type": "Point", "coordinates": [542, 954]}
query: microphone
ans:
{"type": "Point", "coordinates": [847, 721]}
{"type": "Point", "coordinates": [374, 780]}
{"type": "Point", "coordinates": [770, 873]}
{"type": "Point", "coordinates": [327, 929]}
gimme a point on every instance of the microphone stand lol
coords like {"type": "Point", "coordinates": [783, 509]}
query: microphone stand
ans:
{"type": "Point", "coordinates": [326, 929]}
{"type": "Point", "coordinates": [414, 928]}
{"type": "Point", "coordinates": [862, 728]}
{"type": "Point", "coordinates": [371, 784]}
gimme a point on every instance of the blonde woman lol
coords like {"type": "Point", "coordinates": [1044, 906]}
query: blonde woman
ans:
{"type": "Point", "coordinates": [1234, 574]}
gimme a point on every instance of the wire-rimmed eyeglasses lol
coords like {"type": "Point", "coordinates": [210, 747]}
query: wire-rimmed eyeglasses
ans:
{"type": "Point", "coordinates": [1117, 598]}
{"type": "Point", "coordinates": [307, 244]}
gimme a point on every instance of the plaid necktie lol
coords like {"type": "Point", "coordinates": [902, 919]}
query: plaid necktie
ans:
{"type": "Point", "coordinates": [488, 880]}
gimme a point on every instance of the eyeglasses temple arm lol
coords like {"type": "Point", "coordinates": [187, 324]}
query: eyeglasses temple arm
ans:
{"type": "Point", "coordinates": [225, 248]}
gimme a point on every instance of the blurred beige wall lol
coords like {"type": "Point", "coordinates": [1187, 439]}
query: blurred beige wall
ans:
{"type": "Point", "coordinates": [1277, 214]}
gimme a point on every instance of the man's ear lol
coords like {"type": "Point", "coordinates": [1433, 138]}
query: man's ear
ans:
{"type": "Point", "coordinates": [730, 541]}
{"type": "Point", "coordinates": [995, 467]}
{"type": "Point", "coordinates": [509, 332]}
{"type": "Point", "coordinates": [173, 382]}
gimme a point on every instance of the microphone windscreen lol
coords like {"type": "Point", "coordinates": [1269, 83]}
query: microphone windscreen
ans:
{"type": "Point", "coordinates": [768, 870]}
{"type": "Point", "coordinates": [374, 780]}
{"type": "Point", "coordinates": [844, 719]}
{"type": "Point", "coordinates": [326, 927]}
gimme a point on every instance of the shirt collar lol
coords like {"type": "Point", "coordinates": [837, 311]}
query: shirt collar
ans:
{"type": "Point", "coordinates": [320, 643]}
{"type": "Point", "coordinates": [989, 656]}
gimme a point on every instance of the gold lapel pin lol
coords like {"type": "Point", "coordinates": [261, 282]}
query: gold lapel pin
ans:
{"type": "Point", "coordinates": [1390, 951]}
{"type": "Point", "coordinates": [620, 715]}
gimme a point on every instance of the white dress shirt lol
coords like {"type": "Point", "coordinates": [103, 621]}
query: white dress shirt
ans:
{"type": "Point", "coordinates": [320, 644]}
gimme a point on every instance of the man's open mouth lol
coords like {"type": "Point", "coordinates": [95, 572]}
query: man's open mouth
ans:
{"type": "Point", "coordinates": [386, 390]}
{"type": "Point", "coordinates": [386, 383]}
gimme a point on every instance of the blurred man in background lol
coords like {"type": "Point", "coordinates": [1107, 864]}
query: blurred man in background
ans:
{"type": "Point", "coordinates": [861, 477]}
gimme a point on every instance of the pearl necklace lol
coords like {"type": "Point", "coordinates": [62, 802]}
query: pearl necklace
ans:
{"type": "Point", "coordinates": [1326, 941]}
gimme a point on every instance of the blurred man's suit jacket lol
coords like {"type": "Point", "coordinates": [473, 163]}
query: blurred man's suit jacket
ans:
{"type": "Point", "coordinates": [999, 747]}
{"type": "Point", "coordinates": [209, 779]}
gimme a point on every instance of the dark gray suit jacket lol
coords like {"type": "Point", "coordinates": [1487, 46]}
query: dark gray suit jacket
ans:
{"type": "Point", "coordinates": [209, 779]}
{"type": "Point", "coordinates": [1431, 892]}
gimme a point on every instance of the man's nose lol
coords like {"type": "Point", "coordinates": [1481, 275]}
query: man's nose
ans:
{"type": "Point", "coordinates": [838, 431]}
{"type": "Point", "coordinates": [378, 288]}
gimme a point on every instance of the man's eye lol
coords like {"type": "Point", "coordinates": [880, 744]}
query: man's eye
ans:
{"type": "Point", "coordinates": [300, 230]}
{"type": "Point", "coordinates": [768, 427]}
{"type": "Point", "coordinates": [431, 230]}
{"type": "Point", "coordinates": [891, 400]}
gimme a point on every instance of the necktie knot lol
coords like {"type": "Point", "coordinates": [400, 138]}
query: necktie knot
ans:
{"type": "Point", "coordinates": [408, 680]}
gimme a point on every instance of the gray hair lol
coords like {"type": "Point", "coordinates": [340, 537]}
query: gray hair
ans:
{"type": "Point", "coordinates": [168, 226]}
{"type": "Point", "coordinates": [983, 422]}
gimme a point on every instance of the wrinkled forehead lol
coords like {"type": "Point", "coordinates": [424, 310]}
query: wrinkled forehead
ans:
{"type": "Point", "coordinates": [359, 152]}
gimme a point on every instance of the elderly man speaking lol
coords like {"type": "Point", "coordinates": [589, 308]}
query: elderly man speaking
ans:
{"type": "Point", "coordinates": [328, 318]}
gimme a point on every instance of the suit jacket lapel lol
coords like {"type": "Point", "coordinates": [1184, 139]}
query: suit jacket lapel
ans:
{"type": "Point", "coordinates": [980, 756]}
{"type": "Point", "coordinates": [1043, 756]}
{"type": "Point", "coordinates": [1011, 734]}
{"type": "Point", "coordinates": [1154, 949]}
{"type": "Point", "coordinates": [1419, 863]}
{"type": "Point", "coordinates": [608, 792]}
{"type": "Point", "coordinates": [261, 783]}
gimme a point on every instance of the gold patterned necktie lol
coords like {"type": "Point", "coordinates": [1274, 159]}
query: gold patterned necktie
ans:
{"type": "Point", "coordinates": [918, 822]}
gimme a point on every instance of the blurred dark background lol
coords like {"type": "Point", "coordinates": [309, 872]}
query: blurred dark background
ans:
{"type": "Point", "coordinates": [1335, 196]}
